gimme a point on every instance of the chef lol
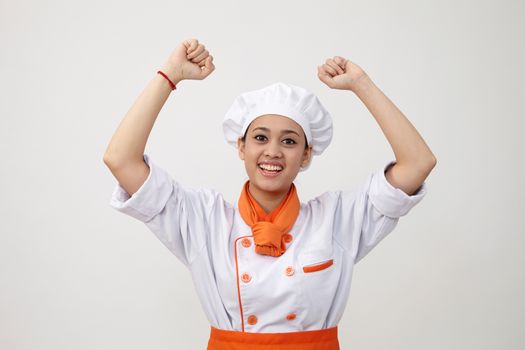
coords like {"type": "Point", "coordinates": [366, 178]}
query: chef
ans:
{"type": "Point", "coordinates": [271, 271]}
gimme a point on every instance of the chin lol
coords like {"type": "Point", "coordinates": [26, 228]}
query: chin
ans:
{"type": "Point", "coordinates": [271, 185]}
{"type": "Point", "coordinates": [277, 185]}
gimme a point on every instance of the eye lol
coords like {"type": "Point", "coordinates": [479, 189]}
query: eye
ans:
{"type": "Point", "coordinates": [260, 137]}
{"type": "Point", "coordinates": [289, 141]}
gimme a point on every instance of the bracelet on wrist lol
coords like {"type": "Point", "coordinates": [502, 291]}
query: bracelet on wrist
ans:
{"type": "Point", "coordinates": [172, 85]}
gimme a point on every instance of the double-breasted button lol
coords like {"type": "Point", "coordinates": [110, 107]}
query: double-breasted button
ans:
{"type": "Point", "coordinates": [289, 271]}
{"type": "Point", "coordinates": [291, 316]}
{"type": "Point", "coordinates": [245, 277]}
{"type": "Point", "coordinates": [287, 238]}
{"type": "Point", "coordinates": [252, 319]}
{"type": "Point", "coordinates": [246, 243]}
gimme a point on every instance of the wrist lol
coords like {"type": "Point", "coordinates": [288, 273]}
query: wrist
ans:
{"type": "Point", "coordinates": [362, 84]}
{"type": "Point", "coordinates": [173, 73]}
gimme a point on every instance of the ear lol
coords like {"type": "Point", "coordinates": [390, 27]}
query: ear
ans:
{"type": "Point", "coordinates": [307, 156]}
{"type": "Point", "coordinates": [240, 148]}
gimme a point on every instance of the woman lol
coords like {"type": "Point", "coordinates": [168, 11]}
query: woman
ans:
{"type": "Point", "coordinates": [270, 271]}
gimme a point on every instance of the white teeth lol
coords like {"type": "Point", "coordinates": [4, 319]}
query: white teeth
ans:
{"type": "Point", "coordinates": [271, 167]}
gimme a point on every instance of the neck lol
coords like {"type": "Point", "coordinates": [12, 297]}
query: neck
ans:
{"type": "Point", "coordinates": [267, 200]}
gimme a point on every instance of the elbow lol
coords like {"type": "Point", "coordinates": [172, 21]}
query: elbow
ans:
{"type": "Point", "coordinates": [109, 160]}
{"type": "Point", "coordinates": [428, 165]}
{"type": "Point", "coordinates": [424, 165]}
{"type": "Point", "coordinates": [431, 162]}
{"type": "Point", "coordinates": [116, 162]}
{"type": "Point", "coordinates": [428, 162]}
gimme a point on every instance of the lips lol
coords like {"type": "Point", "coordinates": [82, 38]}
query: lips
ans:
{"type": "Point", "coordinates": [270, 169]}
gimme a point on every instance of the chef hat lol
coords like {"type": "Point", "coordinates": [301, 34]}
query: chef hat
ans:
{"type": "Point", "coordinates": [283, 99]}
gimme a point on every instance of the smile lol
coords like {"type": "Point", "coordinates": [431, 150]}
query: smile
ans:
{"type": "Point", "coordinates": [270, 170]}
{"type": "Point", "coordinates": [270, 167]}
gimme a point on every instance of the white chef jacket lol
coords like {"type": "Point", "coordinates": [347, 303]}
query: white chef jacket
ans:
{"type": "Point", "coordinates": [234, 283]}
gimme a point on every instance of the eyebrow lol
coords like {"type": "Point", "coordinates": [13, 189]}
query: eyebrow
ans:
{"type": "Point", "coordinates": [286, 131]}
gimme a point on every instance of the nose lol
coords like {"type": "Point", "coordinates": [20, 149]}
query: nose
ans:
{"type": "Point", "coordinates": [273, 149]}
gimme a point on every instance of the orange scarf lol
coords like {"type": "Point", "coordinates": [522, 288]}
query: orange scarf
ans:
{"type": "Point", "coordinates": [268, 229]}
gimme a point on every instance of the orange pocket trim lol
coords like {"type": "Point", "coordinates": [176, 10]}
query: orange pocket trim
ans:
{"type": "Point", "coordinates": [319, 267]}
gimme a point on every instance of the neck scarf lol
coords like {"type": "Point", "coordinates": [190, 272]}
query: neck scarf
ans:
{"type": "Point", "coordinates": [268, 229]}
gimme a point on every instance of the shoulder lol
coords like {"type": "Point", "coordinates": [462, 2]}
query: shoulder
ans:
{"type": "Point", "coordinates": [206, 196]}
{"type": "Point", "coordinates": [328, 199]}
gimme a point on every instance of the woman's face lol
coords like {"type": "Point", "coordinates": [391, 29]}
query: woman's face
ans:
{"type": "Point", "coordinates": [273, 153]}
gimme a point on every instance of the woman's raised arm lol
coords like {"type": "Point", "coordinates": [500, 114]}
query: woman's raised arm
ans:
{"type": "Point", "coordinates": [124, 155]}
{"type": "Point", "coordinates": [414, 159]}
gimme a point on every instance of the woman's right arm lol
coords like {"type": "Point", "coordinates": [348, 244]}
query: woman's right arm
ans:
{"type": "Point", "coordinates": [124, 155]}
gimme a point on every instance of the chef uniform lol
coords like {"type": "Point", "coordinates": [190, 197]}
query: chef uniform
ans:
{"type": "Point", "coordinates": [257, 301]}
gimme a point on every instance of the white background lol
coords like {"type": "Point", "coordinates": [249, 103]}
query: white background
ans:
{"type": "Point", "coordinates": [76, 274]}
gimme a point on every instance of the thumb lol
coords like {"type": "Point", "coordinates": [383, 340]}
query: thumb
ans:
{"type": "Point", "coordinates": [208, 67]}
{"type": "Point", "coordinates": [190, 44]}
{"type": "Point", "coordinates": [324, 76]}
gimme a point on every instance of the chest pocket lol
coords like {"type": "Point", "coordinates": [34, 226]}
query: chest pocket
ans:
{"type": "Point", "coordinates": [319, 282]}
{"type": "Point", "coordinates": [318, 266]}
{"type": "Point", "coordinates": [316, 261]}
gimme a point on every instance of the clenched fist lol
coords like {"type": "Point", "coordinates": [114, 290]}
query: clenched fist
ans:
{"type": "Point", "coordinates": [190, 60]}
{"type": "Point", "coordinates": [340, 73]}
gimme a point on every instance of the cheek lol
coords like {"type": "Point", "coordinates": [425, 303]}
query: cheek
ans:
{"type": "Point", "coordinates": [295, 159]}
{"type": "Point", "coordinates": [251, 154]}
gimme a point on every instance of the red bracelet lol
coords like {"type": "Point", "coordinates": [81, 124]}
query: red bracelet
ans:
{"type": "Point", "coordinates": [168, 79]}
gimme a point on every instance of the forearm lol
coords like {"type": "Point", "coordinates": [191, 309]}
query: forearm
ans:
{"type": "Point", "coordinates": [129, 140]}
{"type": "Point", "coordinates": [408, 146]}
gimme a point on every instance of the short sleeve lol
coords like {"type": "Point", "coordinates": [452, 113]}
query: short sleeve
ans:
{"type": "Point", "coordinates": [178, 216]}
{"type": "Point", "coordinates": [367, 215]}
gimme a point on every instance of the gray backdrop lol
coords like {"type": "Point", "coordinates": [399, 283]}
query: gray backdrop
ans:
{"type": "Point", "coordinates": [76, 274]}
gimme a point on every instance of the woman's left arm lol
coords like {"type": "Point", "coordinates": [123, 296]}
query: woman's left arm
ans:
{"type": "Point", "coordinates": [414, 159]}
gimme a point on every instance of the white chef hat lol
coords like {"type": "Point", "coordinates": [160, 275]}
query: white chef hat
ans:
{"type": "Point", "coordinates": [283, 99]}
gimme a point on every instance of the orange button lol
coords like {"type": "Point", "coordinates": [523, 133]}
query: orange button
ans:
{"type": "Point", "coordinates": [252, 319]}
{"type": "Point", "coordinates": [290, 316]}
{"type": "Point", "coordinates": [287, 238]}
{"type": "Point", "coordinates": [289, 271]}
{"type": "Point", "coordinates": [245, 277]}
{"type": "Point", "coordinates": [246, 242]}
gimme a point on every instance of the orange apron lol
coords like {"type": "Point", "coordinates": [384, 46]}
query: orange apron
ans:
{"type": "Point", "coordinates": [323, 339]}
